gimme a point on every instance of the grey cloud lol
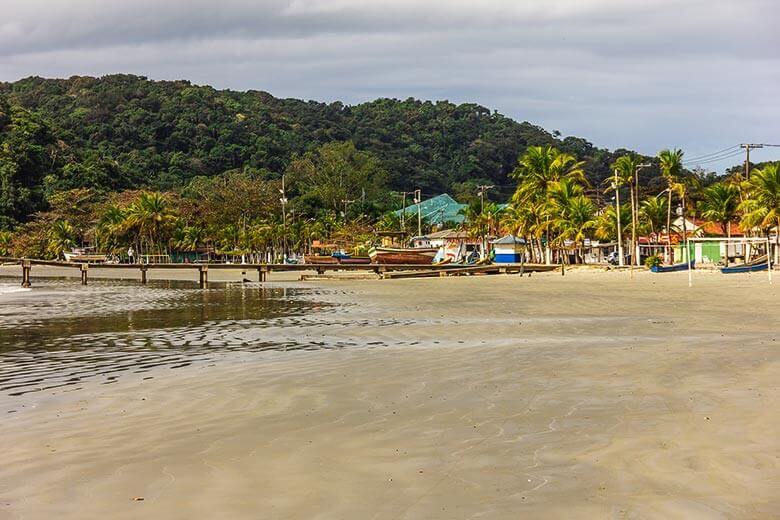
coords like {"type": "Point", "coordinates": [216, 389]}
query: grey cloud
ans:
{"type": "Point", "coordinates": [698, 74]}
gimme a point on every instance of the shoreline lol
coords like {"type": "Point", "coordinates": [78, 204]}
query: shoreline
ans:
{"type": "Point", "coordinates": [497, 396]}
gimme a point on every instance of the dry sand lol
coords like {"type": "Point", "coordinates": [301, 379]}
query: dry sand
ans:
{"type": "Point", "coordinates": [585, 396]}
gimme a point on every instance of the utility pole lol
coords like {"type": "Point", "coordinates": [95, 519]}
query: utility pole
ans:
{"type": "Point", "coordinates": [418, 201]}
{"type": "Point", "coordinates": [748, 147]}
{"type": "Point", "coordinates": [482, 189]}
{"type": "Point", "coordinates": [621, 263]}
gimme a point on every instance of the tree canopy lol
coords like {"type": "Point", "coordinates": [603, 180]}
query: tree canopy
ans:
{"type": "Point", "coordinates": [123, 132]}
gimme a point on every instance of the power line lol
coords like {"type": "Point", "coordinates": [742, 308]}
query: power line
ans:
{"type": "Point", "coordinates": [736, 153]}
{"type": "Point", "coordinates": [717, 157]}
{"type": "Point", "coordinates": [708, 155]}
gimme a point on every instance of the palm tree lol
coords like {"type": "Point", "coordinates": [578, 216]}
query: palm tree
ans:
{"type": "Point", "coordinates": [652, 213]}
{"type": "Point", "coordinates": [537, 170]}
{"type": "Point", "coordinates": [62, 237]}
{"type": "Point", "coordinates": [480, 221]}
{"type": "Point", "coordinates": [762, 208]}
{"type": "Point", "coordinates": [149, 216]}
{"type": "Point", "coordinates": [5, 243]}
{"type": "Point", "coordinates": [575, 219]}
{"type": "Point", "coordinates": [671, 169]}
{"type": "Point", "coordinates": [719, 205]}
{"type": "Point", "coordinates": [540, 166]}
{"type": "Point", "coordinates": [110, 228]}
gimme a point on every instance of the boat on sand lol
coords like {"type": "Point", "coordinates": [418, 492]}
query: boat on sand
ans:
{"type": "Point", "coordinates": [403, 255]}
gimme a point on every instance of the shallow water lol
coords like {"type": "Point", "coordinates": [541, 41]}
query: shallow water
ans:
{"type": "Point", "coordinates": [590, 396]}
{"type": "Point", "coordinates": [59, 334]}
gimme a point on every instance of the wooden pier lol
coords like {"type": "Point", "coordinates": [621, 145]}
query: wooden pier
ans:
{"type": "Point", "coordinates": [388, 271]}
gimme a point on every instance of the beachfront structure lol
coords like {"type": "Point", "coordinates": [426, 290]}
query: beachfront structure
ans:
{"type": "Point", "coordinates": [454, 244]}
{"type": "Point", "coordinates": [509, 250]}
{"type": "Point", "coordinates": [437, 211]}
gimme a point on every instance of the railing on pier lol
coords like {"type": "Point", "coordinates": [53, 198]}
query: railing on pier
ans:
{"type": "Point", "coordinates": [264, 269]}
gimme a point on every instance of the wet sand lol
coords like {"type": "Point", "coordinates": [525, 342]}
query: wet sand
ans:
{"type": "Point", "coordinates": [585, 396]}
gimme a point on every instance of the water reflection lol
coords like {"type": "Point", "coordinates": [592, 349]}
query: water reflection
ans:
{"type": "Point", "coordinates": [61, 333]}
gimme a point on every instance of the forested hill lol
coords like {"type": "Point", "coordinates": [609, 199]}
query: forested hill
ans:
{"type": "Point", "coordinates": [121, 131]}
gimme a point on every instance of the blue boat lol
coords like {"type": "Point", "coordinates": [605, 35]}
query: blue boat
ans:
{"type": "Point", "coordinates": [745, 268]}
{"type": "Point", "coordinates": [672, 268]}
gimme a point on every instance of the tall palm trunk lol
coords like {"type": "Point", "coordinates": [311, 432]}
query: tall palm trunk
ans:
{"type": "Point", "coordinates": [634, 256]}
{"type": "Point", "coordinates": [669, 227]}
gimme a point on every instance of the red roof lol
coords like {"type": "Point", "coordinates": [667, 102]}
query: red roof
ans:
{"type": "Point", "coordinates": [714, 228]}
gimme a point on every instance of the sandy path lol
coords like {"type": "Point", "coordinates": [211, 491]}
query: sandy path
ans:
{"type": "Point", "coordinates": [488, 397]}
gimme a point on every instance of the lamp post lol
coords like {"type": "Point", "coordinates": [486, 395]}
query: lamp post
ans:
{"type": "Point", "coordinates": [283, 200]}
{"type": "Point", "coordinates": [616, 185]}
{"type": "Point", "coordinates": [634, 214]}
{"type": "Point", "coordinates": [403, 209]}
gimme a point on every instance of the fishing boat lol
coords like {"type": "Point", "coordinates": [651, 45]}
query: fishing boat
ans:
{"type": "Point", "coordinates": [403, 255]}
{"type": "Point", "coordinates": [351, 260]}
{"type": "Point", "coordinates": [672, 268]}
{"type": "Point", "coordinates": [337, 258]}
{"type": "Point", "coordinates": [320, 259]}
{"type": "Point", "coordinates": [82, 256]}
{"type": "Point", "coordinates": [759, 264]}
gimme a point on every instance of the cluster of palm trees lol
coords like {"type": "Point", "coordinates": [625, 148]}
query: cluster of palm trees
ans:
{"type": "Point", "coordinates": [153, 224]}
{"type": "Point", "coordinates": [554, 208]}
{"type": "Point", "coordinates": [554, 211]}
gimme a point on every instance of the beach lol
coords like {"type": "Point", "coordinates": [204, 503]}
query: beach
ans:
{"type": "Point", "coordinates": [590, 395]}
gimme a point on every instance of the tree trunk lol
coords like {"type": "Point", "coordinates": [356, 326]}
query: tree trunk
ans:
{"type": "Point", "coordinates": [727, 226]}
{"type": "Point", "coordinates": [669, 228]}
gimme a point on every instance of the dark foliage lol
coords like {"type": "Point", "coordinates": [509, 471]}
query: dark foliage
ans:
{"type": "Point", "coordinates": [125, 132]}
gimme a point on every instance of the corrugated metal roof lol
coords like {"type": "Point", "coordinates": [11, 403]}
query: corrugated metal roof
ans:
{"type": "Point", "coordinates": [509, 240]}
{"type": "Point", "coordinates": [437, 210]}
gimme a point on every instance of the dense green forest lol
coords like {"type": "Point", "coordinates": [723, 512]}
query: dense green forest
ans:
{"type": "Point", "coordinates": [122, 162]}
{"type": "Point", "coordinates": [125, 132]}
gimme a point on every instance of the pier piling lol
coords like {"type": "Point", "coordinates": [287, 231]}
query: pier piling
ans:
{"type": "Point", "coordinates": [26, 267]}
{"type": "Point", "coordinates": [203, 278]}
{"type": "Point", "coordinates": [143, 274]}
{"type": "Point", "coordinates": [84, 269]}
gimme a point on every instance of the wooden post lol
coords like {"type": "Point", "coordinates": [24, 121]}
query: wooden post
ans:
{"type": "Point", "coordinates": [84, 269]}
{"type": "Point", "coordinates": [262, 274]}
{"type": "Point", "coordinates": [143, 274]}
{"type": "Point", "coordinates": [26, 266]}
{"type": "Point", "coordinates": [203, 272]}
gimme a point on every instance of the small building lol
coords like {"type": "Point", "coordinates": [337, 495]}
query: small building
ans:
{"type": "Point", "coordinates": [454, 244]}
{"type": "Point", "coordinates": [509, 250]}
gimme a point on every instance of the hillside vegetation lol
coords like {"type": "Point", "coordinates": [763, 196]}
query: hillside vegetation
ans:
{"type": "Point", "coordinates": [125, 132]}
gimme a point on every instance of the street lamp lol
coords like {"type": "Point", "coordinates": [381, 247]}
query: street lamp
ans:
{"type": "Point", "coordinates": [283, 200]}
{"type": "Point", "coordinates": [616, 185]}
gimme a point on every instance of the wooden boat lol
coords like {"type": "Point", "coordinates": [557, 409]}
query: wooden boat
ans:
{"type": "Point", "coordinates": [337, 258]}
{"type": "Point", "coordinates": [321, 259]}
{"type": "Point", "coordinates": [387, 255]}
{"type": "Point", "coordinates": [80, 256]}
{"type": "Point", "coordinates": [759, 264]}
{"type": "Point", "coordinates": [672, 268]}
{"type": "Point", "coordinates": [351, 260]}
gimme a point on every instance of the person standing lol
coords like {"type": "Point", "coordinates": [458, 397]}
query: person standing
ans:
{"type": "Point", "coordinates": [131, 254]}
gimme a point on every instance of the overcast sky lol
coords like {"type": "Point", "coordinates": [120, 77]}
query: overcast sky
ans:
{"type": "Point", "coordinates": [702, 75]}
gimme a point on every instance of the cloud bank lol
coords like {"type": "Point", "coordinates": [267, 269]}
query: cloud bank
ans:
{"type": "Point", "coordinates": [698, 74]}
